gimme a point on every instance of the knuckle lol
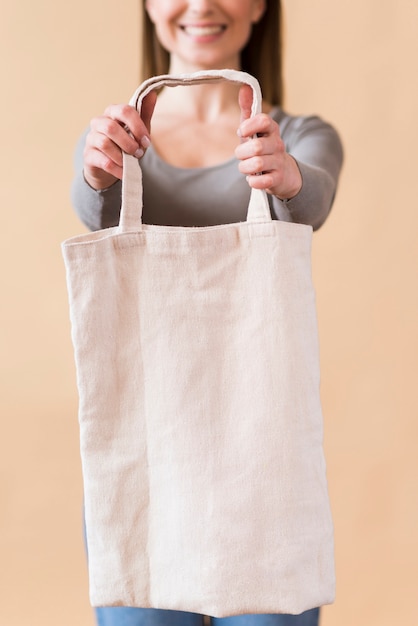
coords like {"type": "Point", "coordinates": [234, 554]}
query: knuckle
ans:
{"type": "Point", "coordinates": [94, 122]}
{"type": "Point", "coordinates": [108, 165]}
{"type": "Point", "coordinates": [265, 121]}
{"type": "Point", "coordinates": [256, 182]}
{"type": "Point", "coordinates": [108, 109]}
{"type": "Point", "coordinates": [126, 110]}
{"type": "Point", "coordinates": [258, 147]}
{"type": "Point", "coordinates": [88, 158]}
{"type": "Point", "coordinates": [269, 181]}
{"type": "Point", "coordinates": [103, 143]}
{"type": "Point", "coordinates": [257, 163]}
{"type": "Point", "coordinates": [89, 142]}
{"type": "Point", "coordinates": [108, 125]}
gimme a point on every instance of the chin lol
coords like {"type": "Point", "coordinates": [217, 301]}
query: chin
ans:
{"type": "Point", "coordinates": [209, 62]}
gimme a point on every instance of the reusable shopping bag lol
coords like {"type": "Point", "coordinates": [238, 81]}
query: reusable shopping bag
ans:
{"type": "Point", "coordinates": [201, 428]}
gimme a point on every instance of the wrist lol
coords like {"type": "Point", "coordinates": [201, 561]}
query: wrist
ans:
{"type": "Point", "coordinates": [99, 183]}
{"type": "Point", "coordinates": [293, 180]}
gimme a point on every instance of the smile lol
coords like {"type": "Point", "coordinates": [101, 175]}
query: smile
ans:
{"type": "Point", "coordinates": [203, 31]}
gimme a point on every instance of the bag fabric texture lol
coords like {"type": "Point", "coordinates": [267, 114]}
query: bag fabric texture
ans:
{"type": "Point", "coordinates": [201, 427]}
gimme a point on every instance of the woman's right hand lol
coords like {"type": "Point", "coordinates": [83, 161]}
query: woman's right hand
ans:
{"type": "Point", "coordinates": [120, 129]}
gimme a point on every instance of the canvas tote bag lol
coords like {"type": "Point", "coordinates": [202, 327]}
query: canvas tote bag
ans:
{"type": "Point", "coordinates": [200, 418]}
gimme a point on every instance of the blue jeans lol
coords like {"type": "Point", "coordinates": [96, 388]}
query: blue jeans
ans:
{"type": "Point", "coordinates": [125, 616]}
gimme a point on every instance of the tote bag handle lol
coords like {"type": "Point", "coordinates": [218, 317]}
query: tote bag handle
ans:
{"type": "Point", "coordinates": [132, 193]}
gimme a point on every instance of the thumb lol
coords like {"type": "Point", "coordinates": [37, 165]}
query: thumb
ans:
{"type": "Point", "coordinates": [147, 109]}
{"type": "Point", "coordinates": [245, 99]}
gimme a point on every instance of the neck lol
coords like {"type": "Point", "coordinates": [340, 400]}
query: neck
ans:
{"type": "Point", "coordinates": [205, 102]}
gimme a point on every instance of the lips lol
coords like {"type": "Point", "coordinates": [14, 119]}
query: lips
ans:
{"type": "Point", "coordinates": [204, 30]}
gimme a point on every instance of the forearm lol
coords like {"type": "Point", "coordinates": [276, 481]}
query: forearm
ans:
{"type": "Point", "coordinates": [96, 209]}
{"type": "Point", "coordinates": [313, 202]}
{"type": "Point", "coordinates": [317, 150]}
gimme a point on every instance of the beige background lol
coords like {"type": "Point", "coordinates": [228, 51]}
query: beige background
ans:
{"type": "Point", "coordinates": [355, 63]}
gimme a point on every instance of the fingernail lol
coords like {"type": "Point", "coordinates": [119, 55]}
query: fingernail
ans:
{"type": "Point", "coordinates": [239, 132]}
{"type": "Point", "coordinates": [139, 153]}
{"type": "Point", "coordinates": [145, 142]}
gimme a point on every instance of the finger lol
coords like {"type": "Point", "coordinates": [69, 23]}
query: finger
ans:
{"type": "Point", "coordinates": [259, 146]}
{"type": "Point", "coordinates": [245, 99]}
{"type": "Point", "coordinates": [261, 181]}
{"type": "Point", "coordinates": [96, 162]}
{"type": "Point", "coordinates": [255, 165]}
{"type": "Point", "coordinates": [127, 116]}
{"type": "Point", "coordinates": [103, 144]}
{"type": "Point", "coordinates": [260, 125]}
{"type": "Point", "coordinates": [261, 165]}
{"type": "Point", "coordinates": [107, 133]}
{"type": "Point", "coordinates": [147, 109]}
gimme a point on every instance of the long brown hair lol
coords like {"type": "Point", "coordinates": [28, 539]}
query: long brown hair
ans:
{"type": "Point", "coordinates": [261, 57]}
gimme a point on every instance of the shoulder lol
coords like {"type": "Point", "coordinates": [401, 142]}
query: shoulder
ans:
{"type": "Point", "coordinates": [301, 124]}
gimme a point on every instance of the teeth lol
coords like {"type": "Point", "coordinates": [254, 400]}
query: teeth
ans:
{"type": "Point", "coordinates": [202, 31]}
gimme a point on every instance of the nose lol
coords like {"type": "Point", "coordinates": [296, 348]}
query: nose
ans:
{"type": "Point", "coordinates": [201, 6]}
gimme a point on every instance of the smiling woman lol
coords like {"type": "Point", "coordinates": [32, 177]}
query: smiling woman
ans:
{"type": "Point", "coordinates": [260, 55]}
{"type": "Point", "coordinates": [194, 149]}
{"type": "Point", "coordinates": [204, 35]}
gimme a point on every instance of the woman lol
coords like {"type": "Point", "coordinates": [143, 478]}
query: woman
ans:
{"type": "Point", "coordinates": [195, 150]}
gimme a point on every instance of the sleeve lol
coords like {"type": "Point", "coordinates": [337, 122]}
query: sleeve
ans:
{"type": "Point", "coordinates": [317, 149]}
{"type": "Point", "coordinates": [96, 209]}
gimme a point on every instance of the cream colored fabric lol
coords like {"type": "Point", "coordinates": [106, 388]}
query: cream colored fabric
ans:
{"type": "Point", "coordinates": [200, 418]}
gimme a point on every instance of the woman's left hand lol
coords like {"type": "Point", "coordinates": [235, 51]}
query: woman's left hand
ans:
{"type": "Point", "coordinates": [262, 154]}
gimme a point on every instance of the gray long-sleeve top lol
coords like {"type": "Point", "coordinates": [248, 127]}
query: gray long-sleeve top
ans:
{"type": "Point", "coordinates": [220, 194]}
